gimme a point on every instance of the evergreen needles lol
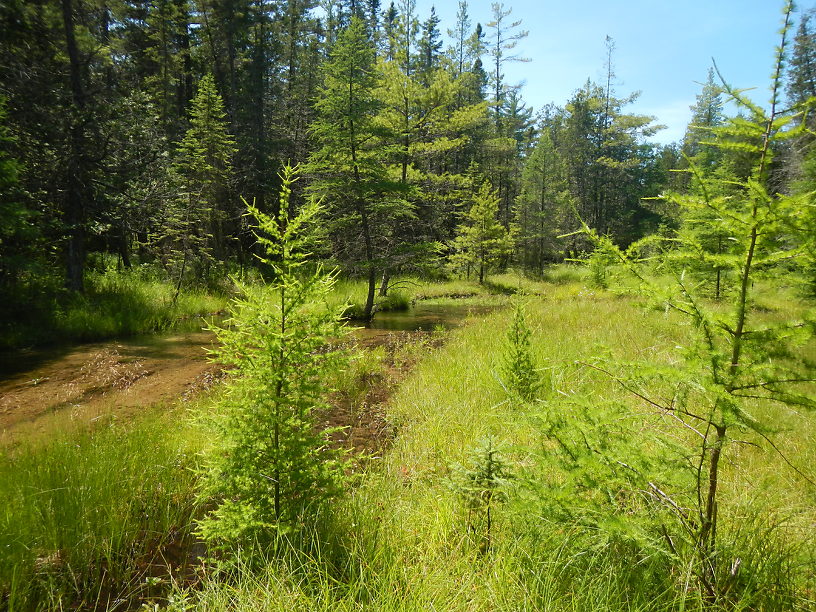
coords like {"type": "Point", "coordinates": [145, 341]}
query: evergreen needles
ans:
{"type": "Point", "coordinates": [518, 368]}
{"type": "Point", "coordinates": [273, 464]}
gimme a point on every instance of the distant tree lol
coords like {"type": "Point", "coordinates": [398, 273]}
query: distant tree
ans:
{"type": "Point", "coordinates": [800, 167]}
{"type": "Point", "coordinates": [504, 40]}
{"type": "Point", "coordinates": [389, 26]}
{"type": "Point", "coordinates": [706, 114]}
{"type": "Point", "coordinates": [801, 81]}
{"type": "Point", "coordinates": [482, 241]}
{"type": "Point", "coordinates": [543, 208]}
{"type": "Point", "coordinates": [347, 168]}
{"type": "Point", "coordinates": [18, 233]}
{"type": "Point", "coordinates": [430, 46]}
{"type": "Point", "coordinates": [195, 223]}
{"type": "Point", "coordinates": [607, 156]}
{"type": "Point", "coordinates": [407, 30]}
{"type": "Point", "coordinates": [458, 51]}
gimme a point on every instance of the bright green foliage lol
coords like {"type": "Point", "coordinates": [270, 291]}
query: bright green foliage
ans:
{"type": "Point", "coordinates": [84, 513]}
{"type": "Point", "coordinates": [422, 126]}
{"type": "Point", "coordinates": [273, 465]}
{"type": "Point", "coordinates": [518, 370]}
{"type": "Point", "coordinates": [482, 484]}
{"type": "Point", "coordinates": [482, 241]}
{"type": "Point", "coordinates": [736, 357]}
{"type": "Point", "coordinates": [194, 226]}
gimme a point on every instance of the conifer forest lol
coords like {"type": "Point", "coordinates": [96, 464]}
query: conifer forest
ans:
{"type": "Point", "coordinates": [304, 307]}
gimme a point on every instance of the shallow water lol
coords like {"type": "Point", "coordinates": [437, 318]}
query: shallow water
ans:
{"type": "Point", "coordinates": [427, 317]}
{"type": "Point", "coordinates": [59, 386]}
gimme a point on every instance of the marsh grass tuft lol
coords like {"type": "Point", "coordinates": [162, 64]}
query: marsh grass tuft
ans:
{"type": "Point", "coordinates": [85, 515]}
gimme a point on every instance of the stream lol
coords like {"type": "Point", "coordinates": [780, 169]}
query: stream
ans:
{"type": "Point", "coordinates": [71, 386]}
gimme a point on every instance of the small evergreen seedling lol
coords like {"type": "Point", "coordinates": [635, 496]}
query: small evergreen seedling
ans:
{"type": "Point", "coordinates": [273, 464]}
{"type": "Point", "coordinates": [481, 485]}
{"type": "Point", "coordinates": [518, 369]}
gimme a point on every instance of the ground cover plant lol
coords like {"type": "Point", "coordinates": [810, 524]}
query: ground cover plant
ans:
{"type": "Point", "coordinates": [571, 533]}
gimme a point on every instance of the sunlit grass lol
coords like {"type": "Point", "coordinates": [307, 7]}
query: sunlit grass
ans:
{"type": "Point", "coordinates": [115, 304]}
{"type": "Point", "coordinates": [400, 540]}
{"type": "Point", "coordinates": [86, 513]}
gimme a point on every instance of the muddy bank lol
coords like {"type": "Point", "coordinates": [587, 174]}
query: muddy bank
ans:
{"type": "Point", "coordinates": [61, 387]}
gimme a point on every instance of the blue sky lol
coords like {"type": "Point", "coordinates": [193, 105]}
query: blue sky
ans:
{"type": "Point", "coordinates": [663, 48]}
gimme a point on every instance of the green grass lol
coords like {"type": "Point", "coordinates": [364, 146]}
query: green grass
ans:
{"type": "Point", "coordinates": [85, 515]}
{"type": "Point", "coordinates": [115, 304]}
{"type": "Point", "coordinates": [408, 290]}
{"type": "Point", "coordinates": [400, 539]}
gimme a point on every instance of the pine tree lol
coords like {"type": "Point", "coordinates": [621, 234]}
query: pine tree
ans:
{"type": "Point", "coordinates": [430, 46]}
{"type": "Point", "coordinates": [607, 155]}
{"type": "Point", "coordinates": [706, 114]}
{"type": "Point", "coordinates": [544, 204]}
{"type": "Point", "coordinates": [194, 226]}
{"type": "Point", "coordinates": [458, 52]}
{"type": "Point", "coordinates": [503, 41]}
{"type": "Point", "coordinates": [801, 83]}
{"type": "Point", "coordinates": [347, 166]}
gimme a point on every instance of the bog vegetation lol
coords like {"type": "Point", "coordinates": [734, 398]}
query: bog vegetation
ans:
{"type": "Point", "coordinates": [634, 431]}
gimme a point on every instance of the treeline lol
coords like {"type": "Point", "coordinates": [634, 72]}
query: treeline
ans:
{"type": "Point", "coordinates": [135, 128]}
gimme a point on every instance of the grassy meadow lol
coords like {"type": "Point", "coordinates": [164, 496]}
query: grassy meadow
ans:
{"type": "Point", "coordinates": [89, 513]}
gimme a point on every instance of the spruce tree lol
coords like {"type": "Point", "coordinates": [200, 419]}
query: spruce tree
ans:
{"type": "Point", "coordinates": [194, 227]}
{"type": "Point", "coordinates": [706, 114]}
{"type": "Point", "coordinates": [347, 166]}
{"type": "Point", "coordinates": [543, 208]}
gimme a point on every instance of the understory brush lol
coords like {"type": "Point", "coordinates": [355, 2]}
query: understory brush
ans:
{"type": "Point", "coordinates": [115, 304]}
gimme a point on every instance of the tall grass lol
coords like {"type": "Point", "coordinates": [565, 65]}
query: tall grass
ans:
{"type": "Point", "coordinates": [85, 515]}
{"type": "Point", "coordinates": [400, 540]}
{"type": "Point", "coordinates": [115, 304]}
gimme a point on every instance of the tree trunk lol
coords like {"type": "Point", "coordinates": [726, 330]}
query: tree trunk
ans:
{"type": "Point", "coordinates": [124, 250]}
{"type": "Point", "coordinates": [386, 277]}
{"type": "Point", "coordinates": [77, 188]}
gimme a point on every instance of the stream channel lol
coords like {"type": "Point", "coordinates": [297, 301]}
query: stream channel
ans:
{"type": "Point", "coordinates": [59, 388]}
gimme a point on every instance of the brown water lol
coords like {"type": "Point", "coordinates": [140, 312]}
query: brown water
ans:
{"type": "Point", "coordinates": [73, 386]}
